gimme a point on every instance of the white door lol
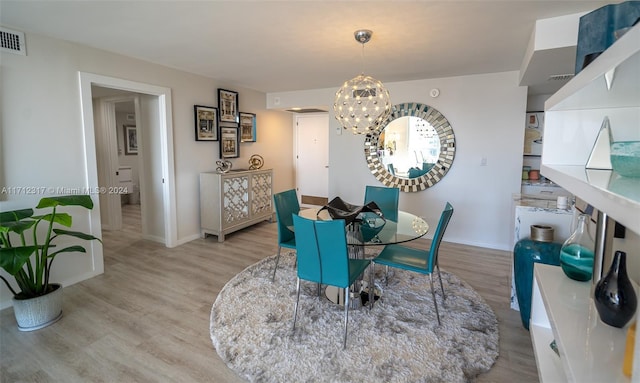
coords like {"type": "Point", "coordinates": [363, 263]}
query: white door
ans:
{"type": "Point", "coordinates": [312, 158]}
{"type": "Point", "coordinates": [104, 113]}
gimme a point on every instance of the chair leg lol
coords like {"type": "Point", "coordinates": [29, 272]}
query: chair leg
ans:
{"type": "Point", "coordinates": [386, 275]}
{"type": "Point", "coordinates": [372, 285]}
{"type": "Point", "coordinates": [295, 310]}
{"type": "Point", "coordinates": [433, 293]}
{"type": "Point", "coordinates": [441, 287]}
{"type": "Point", "coordinates": [346, 315]}
{"type": "Point", "coordinates": [273, 277]}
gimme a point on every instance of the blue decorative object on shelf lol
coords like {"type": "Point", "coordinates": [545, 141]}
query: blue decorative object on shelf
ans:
{"type": "Point", "coordinates": [576, 255]}
{"type": "Point", "coordinates": [625, 158]}
{"type": "Point", "coordinates": [527, 252]}
{"type": "Point", "coordinates": [597, 29]}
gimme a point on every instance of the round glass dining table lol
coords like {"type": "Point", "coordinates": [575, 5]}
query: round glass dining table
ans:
{"type": "Point", "coordinates": [375, 230]}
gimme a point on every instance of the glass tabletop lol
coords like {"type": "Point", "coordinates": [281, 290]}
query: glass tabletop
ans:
{"type": "Point", "coordinates": [378, 231]}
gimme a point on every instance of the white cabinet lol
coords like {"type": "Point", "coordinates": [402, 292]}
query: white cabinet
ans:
{"type": "Point", "coordinates": [609, 86]}
{"type": "Point", "coordinates": [235, 200]}
{"type": "Point", "coordinates": [125, 179]}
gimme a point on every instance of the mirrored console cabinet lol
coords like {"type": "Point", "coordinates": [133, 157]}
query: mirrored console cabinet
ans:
{"type": "Point", "coordinates": [234, 200]}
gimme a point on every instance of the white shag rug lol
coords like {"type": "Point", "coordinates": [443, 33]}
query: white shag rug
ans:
{"type": "Point", "coordinates": [398, 341]}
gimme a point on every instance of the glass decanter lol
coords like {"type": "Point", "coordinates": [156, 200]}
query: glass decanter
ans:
{"type": "Point", "coordinates": [576, 254]}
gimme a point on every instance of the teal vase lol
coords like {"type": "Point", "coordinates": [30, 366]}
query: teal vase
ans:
{"type": "Point", "coordinates": [526, 253]}
{"type": "Point", "coordinates": [576, 254]}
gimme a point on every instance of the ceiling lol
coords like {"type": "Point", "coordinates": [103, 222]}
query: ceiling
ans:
{"type": "Point", "coordinates": [277, 46]}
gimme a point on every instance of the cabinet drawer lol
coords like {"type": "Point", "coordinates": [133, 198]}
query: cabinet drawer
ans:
{"type": "Point", "coordinates": [551, 191]}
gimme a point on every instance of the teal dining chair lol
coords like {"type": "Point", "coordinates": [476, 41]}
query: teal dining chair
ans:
{"type": "Point", "coordinates": [386, 198]}
{"type": "Point", "coordinates": [417, 260]}
{"type": "Point", "coordinates": [308, 265]}
{"type": "Point", "coordinates": [336, 267]}
{"type": "Point", "coordinates": [391, 169]}
{"type": "Point", "coordinates": [286, 204]}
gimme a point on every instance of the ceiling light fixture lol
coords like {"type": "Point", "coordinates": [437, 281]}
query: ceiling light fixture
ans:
{"type": "Point", "coordinates": [362, 103]}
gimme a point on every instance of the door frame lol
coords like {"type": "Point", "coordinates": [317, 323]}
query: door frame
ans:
{"type": "Point", "coordinates": [166, 142]}
{"type": "Point", "coordinates": [296, 137]}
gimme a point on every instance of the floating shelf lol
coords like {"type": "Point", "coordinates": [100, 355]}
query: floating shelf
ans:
{"type": "Point", "coordinates": [562, 309]}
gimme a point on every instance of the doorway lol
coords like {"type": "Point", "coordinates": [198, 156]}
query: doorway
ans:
{"type": "Point", "coordinates": [119, 168]}
{"type": "Point", "coordinates": [312, 158]}
{"type": "Point", "coordinates": [155, 150]}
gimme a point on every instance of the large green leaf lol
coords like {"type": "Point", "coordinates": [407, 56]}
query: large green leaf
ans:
{"type": "Point", "coordinates": [12, 220]}
{"type": "Point", "coordinates": [61, 218]}
{"type": "Point", "coordinates": [12, 259]}
{"type": "Point", "coordinates": [16, 226]}
{"type": "Point", "coordinates": [66, 200]}
{"type": "Point", "coordinates": [15, 215]}
{"type": "Point", "coordinates": [70, 249]}
{"type": "Point", "coordinates": [76, 234]}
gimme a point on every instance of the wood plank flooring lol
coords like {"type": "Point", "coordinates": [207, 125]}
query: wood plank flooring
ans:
{"type": "Point", "coordinates": [146, 319]}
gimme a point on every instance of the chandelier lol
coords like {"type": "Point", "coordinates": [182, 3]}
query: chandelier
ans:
{"type": "Point", "coordinates": [362, 103]}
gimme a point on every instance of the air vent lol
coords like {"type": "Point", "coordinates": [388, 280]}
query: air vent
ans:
{"type": "Point", "coordinates": [560, 77]}
{"type": "Point", "coordinates": [309, 110]}
{"type": "Point", "coordinates": [12, 41]}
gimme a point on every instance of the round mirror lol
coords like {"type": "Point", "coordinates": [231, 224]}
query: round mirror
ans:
{"type": "Point", "coordinates": [414, 149]}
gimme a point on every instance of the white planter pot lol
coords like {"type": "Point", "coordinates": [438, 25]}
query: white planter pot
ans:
{"type": "Point", "coordinates": [36, 313]}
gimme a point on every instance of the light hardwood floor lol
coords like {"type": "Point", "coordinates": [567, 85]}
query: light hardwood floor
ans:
{"type": "Point", "coordinates": [146, 319]}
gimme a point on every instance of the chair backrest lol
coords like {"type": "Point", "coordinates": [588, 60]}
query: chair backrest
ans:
{"type": "Point", "coordinates": [308, 254]}
{"type": "Point", "coordinates": [286, 204]}
{"type": "Point", "coordinates": [437, 237]}
{"type": "Point", "coordinates": [334, 258]}
{"type": "Point", "coordinates": [386, 198]}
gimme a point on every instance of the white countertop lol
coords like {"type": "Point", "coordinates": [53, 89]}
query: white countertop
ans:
{"type": "Point", "coordinates": [542, 202]}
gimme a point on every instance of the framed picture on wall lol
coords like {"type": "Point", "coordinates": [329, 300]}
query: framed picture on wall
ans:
{"type": "Point", "coordinates": [206, 119]}
{"type": "Point", "coordinates": [130, 140]}
{"type": "Point", "coordinates": [229, 142]}
{"type": "Point", "coordinates": [247, 127]}
{"type": "Point", "coordinates": [533, 134]}
{"type": "Point", "coordinates": [228, 104]}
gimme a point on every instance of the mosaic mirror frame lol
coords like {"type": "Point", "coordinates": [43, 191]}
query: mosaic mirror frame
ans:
{"type": "Point", "coordinates": [445, 158]}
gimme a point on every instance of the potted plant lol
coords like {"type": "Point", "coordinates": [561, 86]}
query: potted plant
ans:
{"type": "Point", "coordinates": [28, 254]}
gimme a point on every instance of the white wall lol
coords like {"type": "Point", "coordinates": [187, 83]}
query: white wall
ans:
{"type": "Point", "coordinates": [487, 113]}
{"type": "Point", "coordinates": [42, 138]}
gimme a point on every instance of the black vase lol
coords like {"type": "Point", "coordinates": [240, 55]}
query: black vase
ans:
{"type": "Point", "coordinates": [614, 296]}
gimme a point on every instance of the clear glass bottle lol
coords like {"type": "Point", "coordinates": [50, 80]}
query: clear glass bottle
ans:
{"type": "Point", "coordinates": [576, 254]}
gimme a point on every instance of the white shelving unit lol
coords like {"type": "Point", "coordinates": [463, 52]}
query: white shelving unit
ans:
{"type": "Point", "coordinates": [573, 118]}
{"type": "Point", "coordinates": [562, 309]}
{"type": "Point", "coordinates": [608, 87]}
